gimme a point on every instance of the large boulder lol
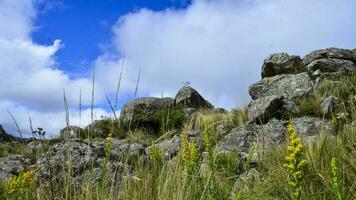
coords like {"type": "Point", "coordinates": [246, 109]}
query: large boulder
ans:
{"type": "Point", "coordinates": [265, 108]}
{"type": "Point", "coordinates": [354, 54]}
{"type": "Point", "coordinates": [4, 137]}
{"type": "Point", "coordinates": [332, 65]}
{"type": "Point", "coordinates": [282, 63]}
{"type": "Point", "coordinates": [145, 107]}
{"type": "Point", "coordinates": [188, 97]}
{"type": "Point", "coordinates": [12, 165]}
{"type": "Point", "coordinates": [272, 133]}
{"type": "Point", "coordinates": [142, 111]}
{"type": "Point", "coordinates": [287, 85]}
{"type": "Point", "coordinates": [336, 53]}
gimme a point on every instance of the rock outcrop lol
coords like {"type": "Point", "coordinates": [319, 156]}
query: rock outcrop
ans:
{"type": "Point", "coordinates": [12, 165]}
{"type": "Point", "coordinates": [188, 97]}
{"type": "Point", "coordinates": [287, 85]}
{"type": "Point", "coordinates": [336, 53]}
{"type": "Point", "coordinates": [282, 63]}
{"type": "Point", "coordinates": [331, 60]}
{"type": "Point", "coordinates": [145, 108]}
{"type": "Point", "coordinates": [85, 158]}
{"type": "Point", "coordinates": [274, 106]}
{"type": "Point", "coordinates": [332, 65]}
{"type": "Point", "coordinates": [71, 132]}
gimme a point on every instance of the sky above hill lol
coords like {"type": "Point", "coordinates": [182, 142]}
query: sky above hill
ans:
{"type": "Point", "coordinates": [47, 46]}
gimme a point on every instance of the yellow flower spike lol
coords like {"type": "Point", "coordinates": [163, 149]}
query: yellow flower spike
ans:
{"type": "Point", "coordinates": [295, 162]}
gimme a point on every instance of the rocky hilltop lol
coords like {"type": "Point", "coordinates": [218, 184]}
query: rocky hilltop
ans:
{"type": "Point", "coordinates": [289, 85]}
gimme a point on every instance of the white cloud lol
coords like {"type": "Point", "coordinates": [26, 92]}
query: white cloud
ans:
{"type": "Point", "coordinates": [30, 80]}
{"type": "Point", "coordinates": [219, 46]}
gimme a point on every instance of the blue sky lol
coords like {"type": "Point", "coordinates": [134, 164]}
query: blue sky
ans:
{"type": "Point", "coordinates": [86, 24]}
{"type": "Point", "coordinates": [217, 45]}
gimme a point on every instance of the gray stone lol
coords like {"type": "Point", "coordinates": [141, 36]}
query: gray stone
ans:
{"type": "Point", "coordinates": [282, 63]}
{"type": "Point", "coordinates": [240, 139]}
{"type": "Point", "coordinates": [142, 111]}
{"type": "Point", "coordinates": [337, 53]}
{"type": "Point", "coordinates": [332, 65]}
{"type": "Point", "coordinates": [12, 165]}
{"type": "Point", "coordinates": [82, 157]}
{"type": "Point", "coordinates": [287, 85]}
{"type": "Point", "coordinates": [329, 105]}
{"type": "Point", "coordinates": [273, 133]}
{"type": "Point", "coordinates": [190, 98]}
{"type": "Point", "coordinates": [274, 106]}
{"type": "Point", "coordinates": [310, 128]}
{"type": "Point", "coordinates": [34, 147]}
{"type": "Point", "coordinates": [70, 132]}
{"type": "Point", "coordinates": [169, 147]}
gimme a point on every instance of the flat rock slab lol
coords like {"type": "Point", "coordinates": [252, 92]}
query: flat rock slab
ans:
{"type": "Point", "coordinates": [287, 85]}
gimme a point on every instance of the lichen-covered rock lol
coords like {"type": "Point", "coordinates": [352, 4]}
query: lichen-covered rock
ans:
{"type": "Point", "coordinates": [12, 165]}
{"type": "Point", "coordinates": [329, 105]}
{"type": "Point", "coordinates": [337, 53]}
{"type": "Point", "coordinates": [309, 128]}
{"type": "Point", "coordinates": [188, 97]}
{"type": "Point", "coordinates": [287, 85]}
{"type": "Point", "coordinates": [272, 133]}
{"type": "Point", "coordinates": [332, 65]}
{"type": "Point", "coordinates": [282, 63]}
{"type": "Point", "coordinates": [82, 157]}
{"type": "Point", "coordinates": [145, 107]}
{"type": "Point", "coordinates": [34, 147]}
{"type": "Point", "coordinates": [169, 147]}
{"type": "Point", "coordinates": [240, 139]}
{"type": "Point", "coordinates": [70, 132]}
{"type": "Point", "coordinates": [265, 108]}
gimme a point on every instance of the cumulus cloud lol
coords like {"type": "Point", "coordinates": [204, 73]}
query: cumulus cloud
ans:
{"type": "Point", "coordinates": [219, 46]}
{"type": "Point", "coordinates": [30, 78]}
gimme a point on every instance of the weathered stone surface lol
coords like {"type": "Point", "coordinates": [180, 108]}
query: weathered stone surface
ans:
{"type": "Point", "coordinates": [309, 128]}
{"type": "Point", "coordinates": [190, 98]}
{"type": "Point", "coordinates": [83, 158]}
{"type": "Point", "coordinates": [145, 108]}
{"type": "Point", "coordinates": [265, 108]}
{"type": "Point", "coordinates": [34, 147]}
{"type": "Point", "coordinates": [337, 53]}
{"type": "Point", "coordinates": [273, 133]}
{"type": "Point", "coordinates": [169, 147]}
{"type": "Point", "coordinates": [354, 54]}
{"type": "Point", "coordinates": [287, 85]}
{"type": "Point", "coordinates": [240, 139]}
{"type": "Point", "coordinates": [4, 137]}
{"type": "Point", "coordinates": [12, 165]}
{"type": "Point", "coordinates": [332, 65]}
{"type": "Point", "coordinates": [282, 63]}
{"type": "Point", "coordinates": [70, 132]}
{"type": "Point", "coordinates": [329, 105]}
